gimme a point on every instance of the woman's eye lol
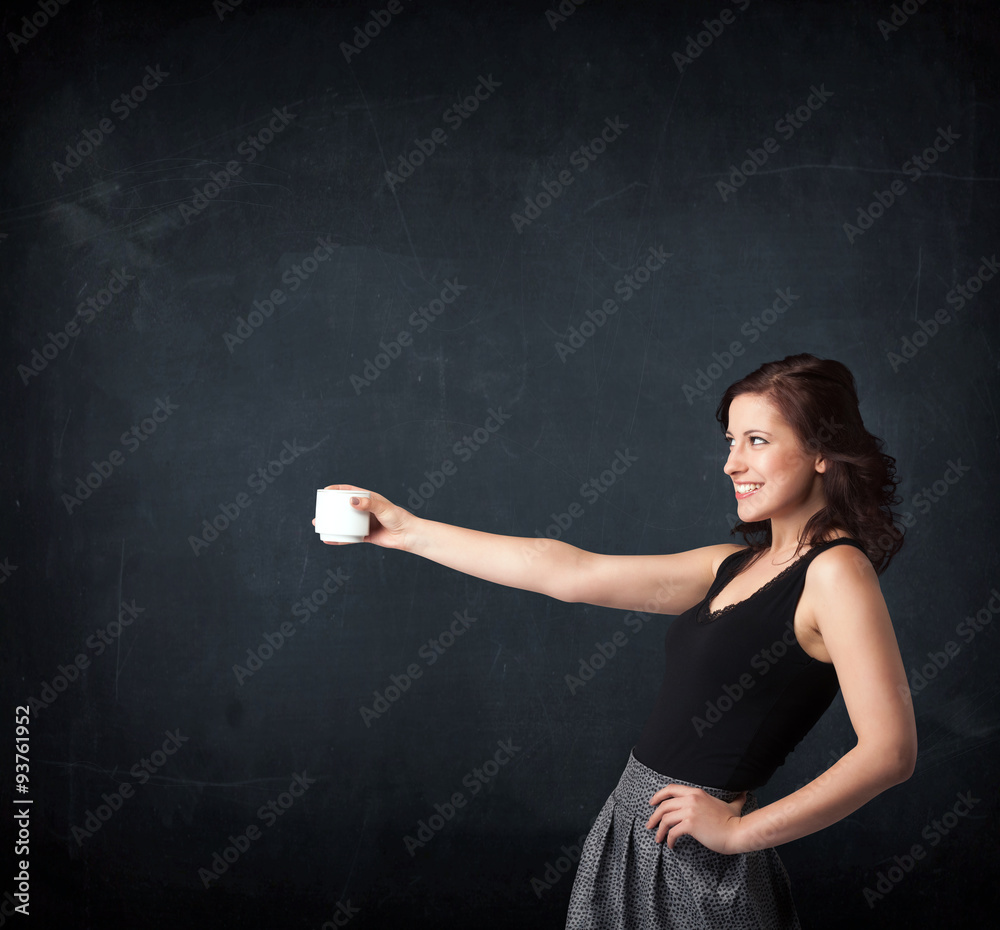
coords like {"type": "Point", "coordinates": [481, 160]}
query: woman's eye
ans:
{"type": "Point", "coordinates": [730, 440]}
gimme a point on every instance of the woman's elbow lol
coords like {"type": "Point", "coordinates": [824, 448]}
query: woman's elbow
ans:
{"type": "Point", "coordinates": [890, 763]}
{"type": "Point", "coordinates": [901, 762]}
{"type": "Point", "coordinates": [908, 762]}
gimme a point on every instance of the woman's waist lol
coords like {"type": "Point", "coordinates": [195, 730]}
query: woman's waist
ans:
{"type": "Point", "coordinates": [638, 783]}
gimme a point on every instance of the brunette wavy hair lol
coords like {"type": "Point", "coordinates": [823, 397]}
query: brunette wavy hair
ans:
{"type": "Point", "coordinates": [819, 399]}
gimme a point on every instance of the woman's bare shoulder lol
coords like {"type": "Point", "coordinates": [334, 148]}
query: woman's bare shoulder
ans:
{"type": "Point", "coordinates": [722, 552]}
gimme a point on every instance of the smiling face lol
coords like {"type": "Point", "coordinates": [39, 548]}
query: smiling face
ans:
{"type": "Point", "coordinates": [775, 478]}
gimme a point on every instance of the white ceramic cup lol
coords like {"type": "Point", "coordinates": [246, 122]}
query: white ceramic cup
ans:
{"type": "Point", "coordinates": [337, 520]}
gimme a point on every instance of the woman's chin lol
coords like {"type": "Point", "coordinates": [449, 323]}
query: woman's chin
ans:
{"type": "Point", "coordinates": [750, 514]}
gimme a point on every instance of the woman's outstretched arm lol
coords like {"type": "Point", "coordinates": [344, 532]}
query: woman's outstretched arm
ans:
{"type": "Point", "coordinates": [667, 584]}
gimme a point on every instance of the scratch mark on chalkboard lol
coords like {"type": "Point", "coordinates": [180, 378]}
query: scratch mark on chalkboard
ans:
{"type": "Point", "coordinates": [926, 174]}
{"type": "Point", "coordinates": [988, 399]}
{"type": "Point", "coordinates": [118, 651]}
{"type": "Point", "coordinates": [638, 387]}
{"type": "Point", "coordinates": [951, 728]}
{"type": "Point", "coordinates": [659, 146]}
{"type": "Point", "coordinates": [168, 781]}
{"type": "Point", "coordinates": [496, 277]}
{"type": "Point", "coordinates": [75, 315]}
{"type": "Point", "coordinates": [63, 433]}
{"type": "Point", "coordinates": [304, 564]}
{"type": "Point", "coordinates": [127, 654]}
{"type": "Point", "coordinates": [392, 190]}
{"type": "Point", "coordinates": [615, 194]}
{"type": "Point", "coordinates": [354, 859]}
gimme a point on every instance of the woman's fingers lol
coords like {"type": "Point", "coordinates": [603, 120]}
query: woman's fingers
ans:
{"type": "Point", "coordinates": [672, 791]}
{"type": "Point", "coordinates": [667, 816]}
{"type": "Point", "coordinates": [682, 810]}
{"type": "Point", "coordinates": [388, 522]}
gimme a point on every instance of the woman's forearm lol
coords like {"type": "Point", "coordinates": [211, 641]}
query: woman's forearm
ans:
{"type": "Point", "coordinates": [546, 566]}
{"type": "Point", "coordinates": [851, 782]}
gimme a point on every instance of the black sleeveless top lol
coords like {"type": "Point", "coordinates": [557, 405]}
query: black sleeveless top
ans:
{"type": "Point", "coordinates": [739, 692]}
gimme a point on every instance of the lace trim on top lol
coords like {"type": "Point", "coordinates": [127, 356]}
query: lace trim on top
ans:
{"type": "Point", "coordinates": [707, 616]}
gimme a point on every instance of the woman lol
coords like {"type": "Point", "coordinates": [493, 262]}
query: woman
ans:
{"type": "Point", "coordinates": [765, 635]}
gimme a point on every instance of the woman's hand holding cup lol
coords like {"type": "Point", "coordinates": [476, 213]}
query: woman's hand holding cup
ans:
{"type": "Point", "coordinates": [342, 521]}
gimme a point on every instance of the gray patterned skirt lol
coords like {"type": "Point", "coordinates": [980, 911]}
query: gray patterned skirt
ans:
{"type": "Point", "coordinates": [627, 881]}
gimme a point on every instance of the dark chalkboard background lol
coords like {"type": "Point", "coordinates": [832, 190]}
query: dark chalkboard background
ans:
{"type": "Point", "coordinates": [254, 149]}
